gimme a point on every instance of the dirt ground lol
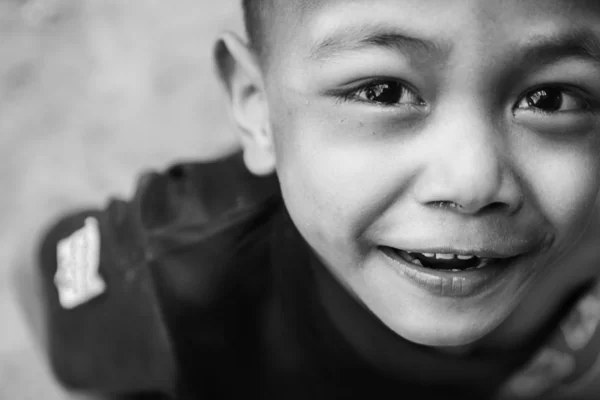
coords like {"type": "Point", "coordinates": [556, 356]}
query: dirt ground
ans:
{"type": "Point", "coordinates": [91, 93]}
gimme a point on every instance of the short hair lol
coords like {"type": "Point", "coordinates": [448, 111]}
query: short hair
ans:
{"type": "Point", "coordinates": [254, 16]}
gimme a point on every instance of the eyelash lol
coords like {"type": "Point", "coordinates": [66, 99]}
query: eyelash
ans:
{"type": "Point", "coordinates": [564, 91]}
{"type": "Point", "coordinates": [354, 93]}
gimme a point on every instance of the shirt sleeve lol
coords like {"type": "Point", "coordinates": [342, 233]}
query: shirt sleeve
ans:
{"type": "Point", "coordinates": [105, 330]}
{"type": "Point", "coordinates": [567, 366]}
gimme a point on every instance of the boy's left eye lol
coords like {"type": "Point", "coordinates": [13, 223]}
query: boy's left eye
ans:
{"type": "Point", "coordinates": [552, 100]}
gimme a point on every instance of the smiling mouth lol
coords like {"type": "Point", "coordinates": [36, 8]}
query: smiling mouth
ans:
{"type": "Point", "coordinates": [457, 275]}
{"type": "Point", "coordinates": [447, 262]}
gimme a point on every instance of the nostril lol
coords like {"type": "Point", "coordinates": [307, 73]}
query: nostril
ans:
{"type": "Point", "coordinates": [446, 204]}
{"type": "Point", "coordinates": [495, 207]}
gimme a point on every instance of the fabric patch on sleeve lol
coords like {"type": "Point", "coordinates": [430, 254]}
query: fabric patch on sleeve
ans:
{"type": "Point", "coordinates": [579, 328]}
{"type": "Point", "coordinates": [544, 372]}
{"type": "Point", "coordinates": [78, 259]}
{"type": "Point", "coordinates": [555, 363]}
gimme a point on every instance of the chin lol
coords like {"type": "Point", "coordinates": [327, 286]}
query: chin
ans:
{"type": "Point", "coordinates": [443, 337]}
{"type": "Point", "coordinates": [443, 322]}
{"type": "Point", "coordinates": [425, 307]}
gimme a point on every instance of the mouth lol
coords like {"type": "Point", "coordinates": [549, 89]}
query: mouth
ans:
{"type": "Point", "coordinates": [453, 274]}
{"type": "Point", "coordinates": [450, 262]}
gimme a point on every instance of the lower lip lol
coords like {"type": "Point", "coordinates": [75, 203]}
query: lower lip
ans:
{"type": "Point", "coordinates": [454, 284]}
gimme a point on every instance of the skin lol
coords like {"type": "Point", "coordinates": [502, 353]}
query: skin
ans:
{"type": "Point", "coordinates": [358, 173]}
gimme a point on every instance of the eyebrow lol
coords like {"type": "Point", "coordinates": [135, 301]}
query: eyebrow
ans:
{"type": "Point", "coordinates": [355, 39]}
{"type": "Point", "coordinates": [582, 44]}
{"type": "Point", "coordinates": [541, 49]}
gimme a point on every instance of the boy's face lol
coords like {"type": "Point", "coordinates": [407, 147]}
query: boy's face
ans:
{"type": "Point", "coordinates": [463, 127]}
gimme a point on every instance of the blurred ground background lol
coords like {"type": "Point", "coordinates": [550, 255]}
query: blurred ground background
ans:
{"type": "Point", "coordinates": [91, 93]}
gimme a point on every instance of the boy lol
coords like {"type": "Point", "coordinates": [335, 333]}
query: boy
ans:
{"type": "Point", "coordinates": [414, 176]}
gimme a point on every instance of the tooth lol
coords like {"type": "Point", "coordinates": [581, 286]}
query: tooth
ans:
{"type": "Point", "coordinates": [418, 262]}
{"type": "Point", "coordinates": [465, 257]}
{"type": "Point", "coordinates": [430, 255]}
{"type": "Point", "coordinates": [444, 256]}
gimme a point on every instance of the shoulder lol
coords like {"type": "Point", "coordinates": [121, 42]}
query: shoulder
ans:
{"type": "Point", "coordinates": [107, 273]}
{"type": "Point", "coordinates": [216, 231]}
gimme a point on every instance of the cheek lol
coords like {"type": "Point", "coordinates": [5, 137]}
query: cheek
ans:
{"type": "Point", "coordinates": [565, 185]}
{"type": "Point", "coordinates": [333, 183]}
{"type": "Point", "coordinates": [326, 186]}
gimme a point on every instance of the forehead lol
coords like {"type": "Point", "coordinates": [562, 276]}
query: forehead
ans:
{"type": "Point", "coordinates": [311, 8]}
{"type": "Point", "coordinates": [308, 22]}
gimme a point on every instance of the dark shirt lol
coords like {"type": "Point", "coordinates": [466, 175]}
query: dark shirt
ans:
{"type": "Point", "coordinates": [212, 293]}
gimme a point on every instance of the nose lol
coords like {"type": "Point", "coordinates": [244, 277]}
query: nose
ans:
{"type": "Point", "coordinates": [469, 168]}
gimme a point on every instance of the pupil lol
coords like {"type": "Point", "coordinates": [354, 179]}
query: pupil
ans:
{"type": "Point", "coordinates": [547, 99]}
{"type": "Point", "coordinates": [384, 93]}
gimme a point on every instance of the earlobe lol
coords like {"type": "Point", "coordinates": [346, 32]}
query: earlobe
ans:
{"type": "Point", "coordinates": [259, 160]}
{"type": "Point", "coordinates": [241, 76]}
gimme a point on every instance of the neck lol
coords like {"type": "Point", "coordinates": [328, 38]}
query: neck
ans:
{"type": "Point", "coordinates": [363, 338]}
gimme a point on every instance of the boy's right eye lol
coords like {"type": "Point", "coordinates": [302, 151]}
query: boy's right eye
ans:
{"type": "Point", "coordinates": [385, 93]}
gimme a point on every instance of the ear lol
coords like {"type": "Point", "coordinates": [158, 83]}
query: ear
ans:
{"type": "Point", "coordinates": [241, 75]}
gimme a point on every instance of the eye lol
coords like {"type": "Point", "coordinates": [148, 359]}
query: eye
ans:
{"type": "Point", "coordinates": [386, 93]}
{"type": "Point", "coordinates": [552, 100]}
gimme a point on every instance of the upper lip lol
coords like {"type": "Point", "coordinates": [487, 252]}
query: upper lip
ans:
{"type": "Point", "coordinates": [487, 238]}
